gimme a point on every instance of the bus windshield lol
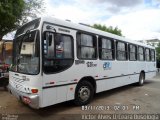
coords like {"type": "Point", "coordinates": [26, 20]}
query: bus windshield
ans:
{"type": "Point", "coordinates": [29, 26]}
{"type": "Point", "coordinates": [26, 53]}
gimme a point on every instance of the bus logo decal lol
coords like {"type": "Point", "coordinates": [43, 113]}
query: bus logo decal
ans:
{"type": "Point", "coordinates": [107, 66]}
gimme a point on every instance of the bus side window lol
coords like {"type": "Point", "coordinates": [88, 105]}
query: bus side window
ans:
{"type": "Point", "coordinates": [140, 53]}
{"type": "Point", "coordinates": [147, 54]}
{"type": "Point", "coordinates": [132, 52]}
{"type": "Point", "coordinates": [64, 47]}
{"type": "Point", "coordinates": [106, 49]}
{"type": "Point", "coordinates": [152, 55]}
{"type": "Point", "coordinates": [87, 46]}
{"type": "Point", "coordinates": [121, 51]}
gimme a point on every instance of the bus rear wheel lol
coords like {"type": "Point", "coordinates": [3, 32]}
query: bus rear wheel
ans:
{"type": "Point", "coordinates": [84, 93]}
{"type": "Point", "coordinates": [141, 79]}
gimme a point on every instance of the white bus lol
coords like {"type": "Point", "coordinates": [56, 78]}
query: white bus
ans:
{"type": "Point", "coordinates": [56, 61]}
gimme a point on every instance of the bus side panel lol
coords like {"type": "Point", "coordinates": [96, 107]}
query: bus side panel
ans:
{"type": "Point", "coordinates": [102, 86]}
{"type": "Point", "coordinates": [61, 94]}
{"type": "Point", "coordinates": [71, 91]}
{"type": "Point", "coordinates": [150, 75]}
{"type": "Point", "coordinates": [56, 95]}
{"type": "Point", "coordinates": [116, 74]}
{"type": "Point", "coordinates": [133, 71]}
{"type": "Point", "coordinates": [134, 78]}
{"type": "Point", "coordinates": [115, 68]}
{"type": "Point", "coordinates": [49, 97]}
{"type": "Point", "coordinates": [150, 70]}
{"type": "Point", "coordinates": [108, 84]}
{"type": "Point", "coordinates": [141, 65]}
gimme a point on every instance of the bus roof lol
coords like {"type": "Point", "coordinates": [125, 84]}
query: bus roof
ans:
{"type": "Point", "coordinates": [81, 27]}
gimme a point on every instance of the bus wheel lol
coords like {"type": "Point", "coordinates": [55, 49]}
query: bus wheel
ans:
{"type": "Point", "coordinates": [84, 93]}
{"type": "Point", "coordinates": [141, 79]}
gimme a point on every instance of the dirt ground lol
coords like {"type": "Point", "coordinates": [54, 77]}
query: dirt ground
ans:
{"type": "Point", "coordinates": [119, 103]}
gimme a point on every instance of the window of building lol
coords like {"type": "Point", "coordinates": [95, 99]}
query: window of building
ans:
{"type": "Point", "coordinates": [147, 54]}
{"type": "Point", "coordinates": [141, 53]}
{"type": "Point", "coordinates": [121, 51]}
{"type": "Point", "coordinates": [87, 46]}
{"type": "Point", "coordinates": [132, 52]}
{"type": "Point", "coordinates": [106, 49]}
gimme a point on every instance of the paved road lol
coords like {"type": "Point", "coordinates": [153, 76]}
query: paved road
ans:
{"type": "Point", "coordinates": [124, 100]}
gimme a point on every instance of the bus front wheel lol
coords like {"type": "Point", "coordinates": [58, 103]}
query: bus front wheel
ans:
{"type": "Point", "coordinates": [84, 93]}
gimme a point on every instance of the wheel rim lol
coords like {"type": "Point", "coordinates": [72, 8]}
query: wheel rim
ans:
{"type": "Point", "coordinates": [84, 93]}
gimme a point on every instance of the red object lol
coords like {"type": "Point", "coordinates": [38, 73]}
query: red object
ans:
{"type": "Point", "coordinates": [96, 76]}
{"type": "Point", "coordinates": [34, 90]}
{"type": "Point", "coordinates": [71, 88]}
{"type": "Point", "coordinates": [51, 83]}
{"type": "Point", "coordinates": [4, 66]}
{"type": "Point", "coordinates": [26, 100]}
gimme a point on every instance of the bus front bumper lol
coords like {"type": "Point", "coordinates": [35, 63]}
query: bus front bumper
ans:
{"type": "Point", "coordinates": [30, 99]}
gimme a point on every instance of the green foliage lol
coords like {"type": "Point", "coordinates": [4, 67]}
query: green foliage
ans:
{"type": "Point", "coordinates": [10, 15]}
{"type": "Point", "coordinates": [32, 8]}
{"type": "Point", "coordinates": [14, 13]}
{"type": "Point", "coordinates": [158, 51]}
{"type": "Point", "coordinates": [109, 29]}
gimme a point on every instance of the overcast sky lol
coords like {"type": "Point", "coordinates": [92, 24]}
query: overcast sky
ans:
{"type": "Point", "coordinates": [138, 19]}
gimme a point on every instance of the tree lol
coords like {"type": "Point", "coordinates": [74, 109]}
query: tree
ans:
{"type": "Point", "coordinates": [14, 13]}
{"type": "Point", "coordinates": [10, 15]}
{"type": "Point", "coordinates": [158, 51]}
{"type": "Point", "coordinates": [32, 8]}
{"type": "Point", "coordinates": [109, 29]}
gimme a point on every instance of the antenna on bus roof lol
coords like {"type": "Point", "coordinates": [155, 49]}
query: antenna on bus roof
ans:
{"type": "Point", "coordinates": [85, 24]}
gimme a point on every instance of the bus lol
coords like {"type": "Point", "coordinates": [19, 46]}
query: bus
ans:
{"type": "Point", "coordinates": [56, 61]}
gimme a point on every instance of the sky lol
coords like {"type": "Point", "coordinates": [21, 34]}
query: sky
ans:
{"type": "Point", "coordinates": [138, 19]}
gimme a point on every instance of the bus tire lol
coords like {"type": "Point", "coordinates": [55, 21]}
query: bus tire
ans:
{"type": "Point", "coordinates": [84, 93]}
{"type": "Point", "coordinates": [141, 79]}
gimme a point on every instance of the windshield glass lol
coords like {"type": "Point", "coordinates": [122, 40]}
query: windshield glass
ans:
{"type": "Point", "coordinates": [29, 26]}
{"type": "Point", "coordinates": [26, 53]}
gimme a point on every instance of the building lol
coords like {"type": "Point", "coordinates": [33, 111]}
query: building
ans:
{"type": "Point", "coordinates": [6, 48]}
{"type": "Point", "coordinates": [153, 42]}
